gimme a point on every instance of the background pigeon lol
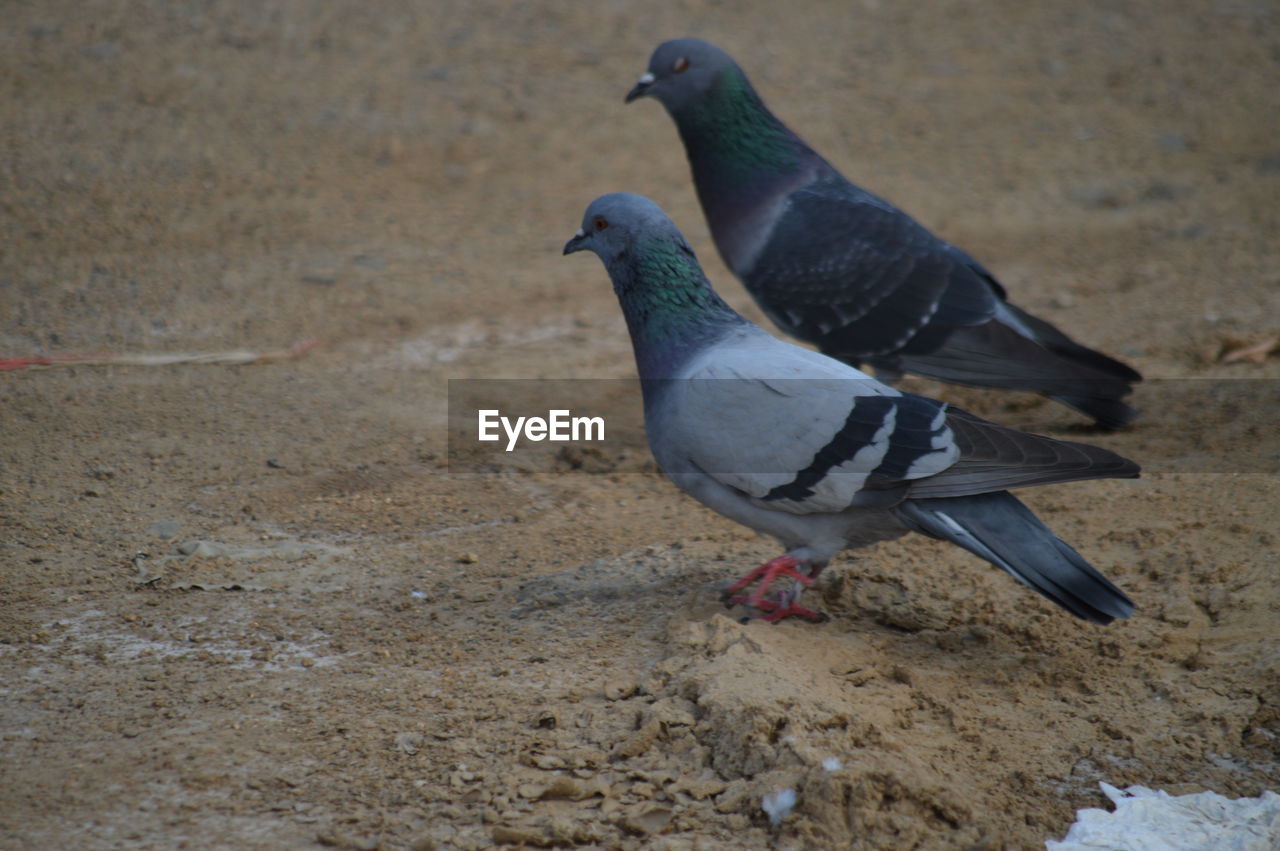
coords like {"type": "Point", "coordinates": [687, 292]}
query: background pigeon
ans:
{"type": "Point", "coordinates": [815, 453]}
{"type": "Point", "coordinates": [840, 268]}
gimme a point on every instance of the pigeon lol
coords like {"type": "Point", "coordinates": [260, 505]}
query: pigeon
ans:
{"type": "Point", "coordinates": [815, 453]}
{"type": "Point", "coordinates": [840, 268]}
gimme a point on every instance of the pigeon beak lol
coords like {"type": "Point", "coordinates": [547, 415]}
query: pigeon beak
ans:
{"type": "Point", "coordinates": [575, 242]}
{"type": "Point", "coordinates": [642, 87]}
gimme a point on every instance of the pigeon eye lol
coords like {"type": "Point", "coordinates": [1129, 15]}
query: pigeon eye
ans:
{"type": "Point", "coordinates": [600, 223]}
{"type": "Point", "coordinates": [681, 65]}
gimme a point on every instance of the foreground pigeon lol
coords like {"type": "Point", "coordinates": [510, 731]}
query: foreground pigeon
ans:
{"type": "Point", "coordinates": [815, 453]}
{"type": "Point", "coordinates": [838, 267]}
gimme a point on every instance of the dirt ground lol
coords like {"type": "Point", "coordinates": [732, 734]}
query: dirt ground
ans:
{"type": "Point", "coordinates": [252, 606]}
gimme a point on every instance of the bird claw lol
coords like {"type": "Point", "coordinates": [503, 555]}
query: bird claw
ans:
{"type": "Point", "coordinates": [770, 609]}
{"type": "Point", "coordinates": [811, 615]}
{"type": "Point", "coordinates": [783, 565]}
{"type": "Point", "coordinates": [772, 612]}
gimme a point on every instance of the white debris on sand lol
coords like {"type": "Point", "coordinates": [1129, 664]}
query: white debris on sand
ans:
{"type": "Point", "coordinates": [777, 805]}
{"type": "Point", "coordinates": [1150, 820]}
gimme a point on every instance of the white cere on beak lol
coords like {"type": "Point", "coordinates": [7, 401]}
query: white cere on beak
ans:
{"type": "Point", "coordinates": [646, 78]}
{"type": "Point", "coordinates": [580, 234]}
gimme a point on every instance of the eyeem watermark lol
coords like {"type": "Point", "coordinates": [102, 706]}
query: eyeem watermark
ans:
{"type": "Point", "coordinates": [558, 426]}
{"type": "Point", "coordinates": [1196, 425]}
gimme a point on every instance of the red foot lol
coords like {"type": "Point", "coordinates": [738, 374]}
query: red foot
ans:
{"type": "Point", "coordinates": [783, 565]}
{"type": "Point", "coordinates": [774, 609]}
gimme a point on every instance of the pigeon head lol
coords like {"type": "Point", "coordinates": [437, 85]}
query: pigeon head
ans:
{"type": "Point", "coordinates": [617, 225]}
{"type": "Point", "coordinates": [670, 307]}
{"type": "Point", "coordinates": [737, 148]}
{"type": "Point", "coordinates": [682, 71]}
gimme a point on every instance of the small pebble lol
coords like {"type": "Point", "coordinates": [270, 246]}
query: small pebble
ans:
{"type": "Point", "coordinates": [620, 689]}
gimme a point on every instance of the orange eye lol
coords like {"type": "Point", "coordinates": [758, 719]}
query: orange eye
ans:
{"type": "Point", "coordinates": [600, 223]}
{"type": "Point", "coordinates": [681, 65]}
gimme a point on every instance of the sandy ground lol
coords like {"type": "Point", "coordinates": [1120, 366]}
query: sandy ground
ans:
{"type": "Point", "coordinates": [254, 607]}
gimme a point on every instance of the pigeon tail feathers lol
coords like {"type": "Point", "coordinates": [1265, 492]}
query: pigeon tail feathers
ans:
{"type": "Point", "coordinates": [1000, 529]}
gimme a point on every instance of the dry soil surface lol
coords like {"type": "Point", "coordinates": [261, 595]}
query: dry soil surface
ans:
{"type": "Point", "coordinates": [254, 606]}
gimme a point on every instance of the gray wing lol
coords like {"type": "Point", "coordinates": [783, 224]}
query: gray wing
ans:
{"type": "Point", "coordinates": [796, 431]}
{"type": "Point", "coordinates": [854, 274]}
{"type": "Point", "coordinates": [865, 282]}
{"type": "Point", "coordinates": [994, 458]}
